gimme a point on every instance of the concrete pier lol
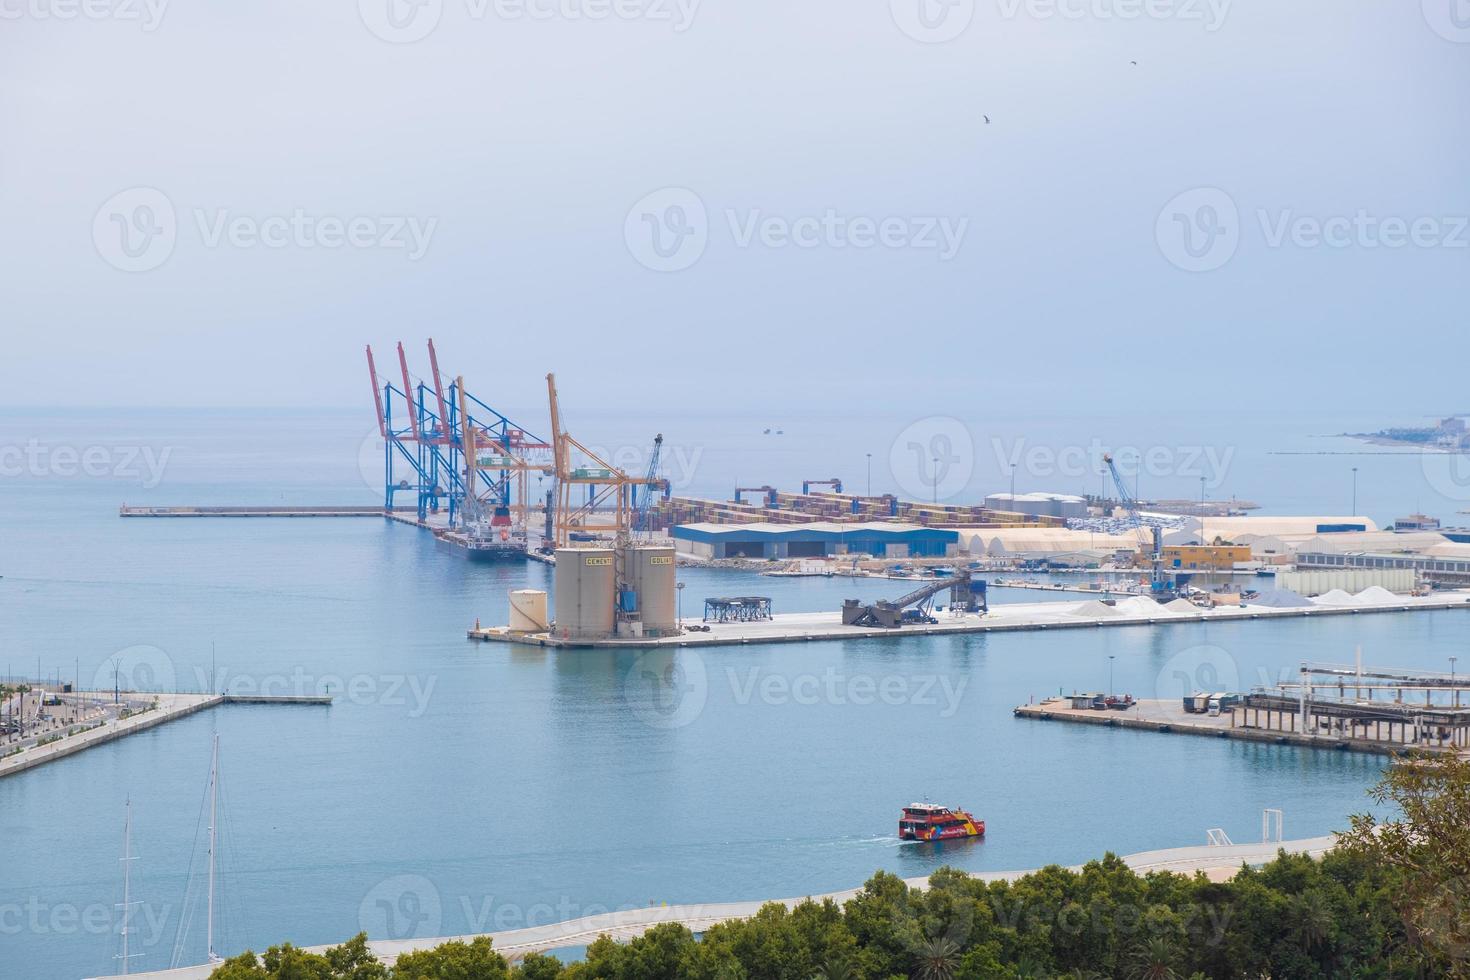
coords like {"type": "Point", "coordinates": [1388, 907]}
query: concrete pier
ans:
{"type": "Point", "coordinates": [801, 627]}
{"type": "Point", "coordinates": [1218, 862]}
{"type": "Point", "coordinates": [170, 707]}
{"type": "Point", "coordinates": [1169, 717]}
{"type": "Point", "coordinates": [270, 510]}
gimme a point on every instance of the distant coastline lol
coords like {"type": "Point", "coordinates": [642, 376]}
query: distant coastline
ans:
{"type": "Point", "coordinates": [1449, 435]}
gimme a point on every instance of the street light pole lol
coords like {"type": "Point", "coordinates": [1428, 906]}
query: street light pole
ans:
{"type": "Point", "coordinates": [870, 474]}
{"type": "Point", "coordinates": [935, 464]}
{"type": "Point", "coordinates": [1452, 680]}
{"type": "Point", "coordinates": [1355, 493]}
{"type": "Point", "coordinates": [679, 593]}
{"type": "Point", "coordinates": [1111, 658]}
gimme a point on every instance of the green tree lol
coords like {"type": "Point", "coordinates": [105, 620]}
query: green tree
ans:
{"type": "Point", "coordinates": [1156, 959]}
{"type": "Point", "coordinates": [354, 961]}
{"type": "Point", "coordinates": [939, 959]}
{"type": "Point", "coordinates": [835, 970]}
{"type": "Point", "coordinates": [537, 966]}
{"type": "Point", "coordinates": [1429, 846]}
{"type": "Point", "coordinates": [246, 966]}
{"type": "Point", "coordinates": [475, 960]}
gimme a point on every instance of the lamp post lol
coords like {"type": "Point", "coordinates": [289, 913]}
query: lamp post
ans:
{"type": "Point", "coordinates": [679, 595]}
{"type": "Point", "coordinates": [1111, 658]}
{"type": "Point", "coordinates": [1355, 493]}
{"type": "Point", "coordinates": [934, 464]}
{"type": "Point", "coordinates": [1452, 680]}
{"type": "Point", "coordinates": [870, 474]}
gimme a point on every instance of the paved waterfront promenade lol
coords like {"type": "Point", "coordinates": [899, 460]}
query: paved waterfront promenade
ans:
{"type": "Point", "coordinates": [1217, 862]}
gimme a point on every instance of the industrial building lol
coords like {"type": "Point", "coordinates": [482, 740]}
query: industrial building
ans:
{"type": "Point", "coordinates": [1231, 529]}
{"type": "Point", "coordinates": [1206, 557]}
{"type": "Point", "coordinates": [1053, 544]}
{"type": "Point", "coordinates": [1436, 567]}
{"type": "Point", "coordinates": [818, 539]}
{"type": "Point", "coordinates": [1065, 505]}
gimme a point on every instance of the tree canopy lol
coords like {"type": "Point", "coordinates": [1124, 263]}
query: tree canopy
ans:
{"type": "Point", "coordinates": [1393, 900]}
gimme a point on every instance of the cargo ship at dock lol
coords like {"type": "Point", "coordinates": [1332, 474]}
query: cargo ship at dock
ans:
{"type": "Point", "coordinates": [492, 540]}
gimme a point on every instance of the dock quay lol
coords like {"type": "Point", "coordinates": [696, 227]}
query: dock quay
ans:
{"type": "Point", "coordinates": [269, 510]}
{"type": "Point", "coordinates": [107, 726]}
{"type": "Point", "coordinates": [1382, 728]}
{"type": "Point", "coordinates": [1002, 617]}
{"type": "Point", "coordinates": [1219, 862]}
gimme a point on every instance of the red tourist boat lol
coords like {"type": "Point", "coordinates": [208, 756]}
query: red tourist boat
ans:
{"type": "Point", "coordinates": [930, 821]}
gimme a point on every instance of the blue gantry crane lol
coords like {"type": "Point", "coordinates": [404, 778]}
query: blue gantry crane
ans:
{"type": "Point", "coordinates": [652, 484]}
{"type": "Point", "coordinates": [447, 447]}
{"type": "Point", "coordinates": [1150, 528]}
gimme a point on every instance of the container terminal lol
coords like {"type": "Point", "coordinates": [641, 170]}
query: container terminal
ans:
{"type": "Point", "coordinates": [461, 469]}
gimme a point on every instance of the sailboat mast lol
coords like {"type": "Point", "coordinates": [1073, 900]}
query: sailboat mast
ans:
{"type": "Point", "coordinates": [213, 797]}
{"type": "Point", "coordinates": [127, 902]}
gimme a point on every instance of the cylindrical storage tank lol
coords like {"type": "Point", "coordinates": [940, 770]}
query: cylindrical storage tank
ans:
{"type": "Point", "coordinates": [528, 611]}
{"type": "Point", "coordinates": [652, 573]}
{"type": "Point", "coordinates": [584, 592]}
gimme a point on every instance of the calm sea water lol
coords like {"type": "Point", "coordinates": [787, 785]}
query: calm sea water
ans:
{"type": "Point", "coordinates": [456, 787]}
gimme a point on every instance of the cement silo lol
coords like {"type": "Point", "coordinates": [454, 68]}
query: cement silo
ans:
{"type": "Point", "coordinates": [652, 573]}
{"type": "Point", "coordinates": [584, 593]}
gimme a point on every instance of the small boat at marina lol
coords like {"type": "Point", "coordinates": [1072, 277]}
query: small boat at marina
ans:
{"type": "Point", "coordinates": [932, 822]}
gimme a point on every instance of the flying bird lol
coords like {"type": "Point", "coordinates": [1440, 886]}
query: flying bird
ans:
{"type": "Point", "coordinates": [987, 120]}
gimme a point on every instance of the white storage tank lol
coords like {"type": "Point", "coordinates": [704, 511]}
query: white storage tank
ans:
{"type": "Point", "coordinates": [652, 572]}
{"type": "Point", "coordinates": [528, 611]}
{"type": "Point", "coordinates": [584, 592]}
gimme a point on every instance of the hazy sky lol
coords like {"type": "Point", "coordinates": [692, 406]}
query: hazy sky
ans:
{"type": "Point", "coordinates": [728, 203]}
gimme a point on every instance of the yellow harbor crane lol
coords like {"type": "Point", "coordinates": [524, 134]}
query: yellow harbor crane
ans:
{"type": "Point", "coordinates": [606, 509]}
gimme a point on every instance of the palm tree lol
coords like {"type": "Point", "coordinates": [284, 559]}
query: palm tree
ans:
{"type": "Point", "coordinates": [1155, 961]}
{"type": "Point", "coordinates": [840, 970]}
{"type": "Point", "coordinates": [1027, 968]}
{"type": "Point", "coordinates": [1314, 920]}
{"type": "Point", "coordinates": [938, 959]}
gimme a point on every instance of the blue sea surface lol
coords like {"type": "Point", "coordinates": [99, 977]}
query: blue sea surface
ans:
{"type": "Point", "coordinates": [454, 787]}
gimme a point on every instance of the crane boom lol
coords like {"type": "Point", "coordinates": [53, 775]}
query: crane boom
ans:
{"type": "Point", "coordinates": [651, 483]}
{"type": "Point", "coordinates": [608, 486]}
{"type": "Point", "coordinates": [1150, 533]}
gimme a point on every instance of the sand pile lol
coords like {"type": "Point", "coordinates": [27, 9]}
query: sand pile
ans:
{"type": "Point", "coordinates": [1182, 606]}
{"type": "Point", "coordinates": [1141, 605]}
{"type": "Point", "coordinates": [1376, 594]}
{"type": "Point", "coordinates": [1337, 597]}
{"type": "Point", "coordinates": [1093, 609]}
